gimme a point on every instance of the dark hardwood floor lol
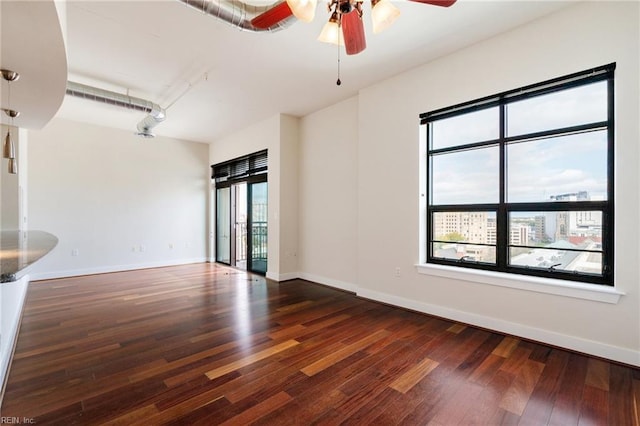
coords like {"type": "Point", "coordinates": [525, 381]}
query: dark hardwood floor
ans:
{"type": "Point", "coordinates": [204, 344]}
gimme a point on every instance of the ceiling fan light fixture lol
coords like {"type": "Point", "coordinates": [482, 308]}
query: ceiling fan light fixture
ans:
{"type": "Point", "coordinates": [304, 10]}
{"type": "Point", "coordinates": [383, 14]}
{"type": "Point", "coordinates": [331, 32]}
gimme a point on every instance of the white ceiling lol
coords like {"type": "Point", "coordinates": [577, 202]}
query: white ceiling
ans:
{"type": "Point", "coordinates": [214, 79]}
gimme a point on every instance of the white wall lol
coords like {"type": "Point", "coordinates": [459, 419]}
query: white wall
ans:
{"type": "Point", "coordinates": [289, 178]}
{"type": "Point", "coordinates": [114, 200]}
{"type": "Point", "coordinates": [328, 195]}
{"type": "Point", "coordinates": [360, 206]}
{"type": "Point", "coordinates": [278, 134]}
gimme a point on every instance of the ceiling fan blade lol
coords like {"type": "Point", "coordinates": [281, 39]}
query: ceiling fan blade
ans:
{"type": "Point", "coordinates": [353, 33]}
{"type": "Point", "coordinates": [273, 16]}
{"type": "Point", "coordinates": [443, 3]}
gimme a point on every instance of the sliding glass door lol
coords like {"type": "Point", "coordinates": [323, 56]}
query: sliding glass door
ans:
{"type": "Point", "coordinates": [257, 221]}
{"type": "Point", "coordinates": [241, 212]}
{"type": "Point", "coordinates": [223, 225]}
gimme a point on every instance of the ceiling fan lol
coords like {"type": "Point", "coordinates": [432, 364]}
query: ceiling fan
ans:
{"type": "Point", "coordinates": [345, 26]}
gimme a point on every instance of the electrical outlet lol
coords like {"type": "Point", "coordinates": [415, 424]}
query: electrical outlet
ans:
{"type": "Point", "coordinates": [397, 271]}
{"type": "Point", "coordinates": [142, 248]}
{"type": "Point", "coordinates": [75, 252]}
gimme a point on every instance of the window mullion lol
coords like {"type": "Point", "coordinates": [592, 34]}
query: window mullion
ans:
{"type": "Point", "coordinates": [502, 231]}
{"type": "Point", "coordinates": [608, 214]}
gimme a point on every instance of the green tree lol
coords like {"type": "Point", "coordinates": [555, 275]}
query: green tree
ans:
{"type": "Point", "coordinates": [452, 236]}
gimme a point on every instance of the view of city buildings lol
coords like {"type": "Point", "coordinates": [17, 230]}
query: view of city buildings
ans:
{"type": "Point", "coordinates": [550, 238]}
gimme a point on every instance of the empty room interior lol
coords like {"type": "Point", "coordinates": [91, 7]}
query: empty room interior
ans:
{"type": "Point", "coordinates": [298, 212]}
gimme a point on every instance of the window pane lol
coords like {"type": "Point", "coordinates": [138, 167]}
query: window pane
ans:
{"type": "Point", "coordinates": [468, 227]}
{"type": "Point", "coordinates": [570, 107]}
{"type": "Point", "coordinates": [566, 168]}
{"type": "Point", "coordinates": [477, 126]}
{"type": "Point", "coordinates": [466, 177]}
{"type": "Point", "coordinates": [566, 229]}
{"type": "Point", "coordinates": [223, 225]}
{"type": "Point", "coordinates": [452, 230]}
{"type": "Point", "coordinates": [464, 252]}
{"type": "Point", "coordinates": [557, 260]}
{"type": "Point", "coordinates": [552, 237]}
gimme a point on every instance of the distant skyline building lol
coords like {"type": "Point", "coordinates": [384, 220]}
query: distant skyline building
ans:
{"type": "Point", "coordinates": [543, 237]}
{"type": "Point", "coordinates": [471, 225]}
{"type": "Point", "coordinates": [540, 228]}
{"type": "Point", "coordinates": [577, 223]}
{"type": "Point", "coordinates": [519, 235]}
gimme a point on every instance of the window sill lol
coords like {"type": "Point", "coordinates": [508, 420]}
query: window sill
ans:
{"type": "Point", "coordinates": [576, 290]}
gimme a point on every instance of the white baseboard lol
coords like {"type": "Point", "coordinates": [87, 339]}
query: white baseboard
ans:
{"type": "Point", "coordinates": [49, 275]}
{"type": "Point", "coordinates": [282, 277]}
{"type": "Point", "coordinates": [342, 285]}
{"type": "Point", "coordinates": [615, 353]}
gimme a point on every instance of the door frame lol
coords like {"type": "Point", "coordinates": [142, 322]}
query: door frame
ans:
{"type": "Point", "coordinates": [261, 178]}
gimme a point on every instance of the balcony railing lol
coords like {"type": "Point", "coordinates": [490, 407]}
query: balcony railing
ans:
{"type": "Point", "coordinates": [258, 241]}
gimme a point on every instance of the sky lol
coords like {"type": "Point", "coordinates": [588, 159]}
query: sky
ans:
{"type": "Point", "coordinates": [536, 169]}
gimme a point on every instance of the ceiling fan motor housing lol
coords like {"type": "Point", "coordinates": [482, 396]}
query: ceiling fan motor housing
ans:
{"type": "Point", "coordinates": [345, 6]}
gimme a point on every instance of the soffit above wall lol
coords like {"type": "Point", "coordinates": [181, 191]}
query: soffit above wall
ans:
{"type": "Point", "coordinates": [32, 44]}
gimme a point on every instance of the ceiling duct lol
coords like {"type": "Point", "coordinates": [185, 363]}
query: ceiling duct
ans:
{"type": "Point", "coordinates": [156, 114]}
{"type": "Point", "coordinates": [237, 13]}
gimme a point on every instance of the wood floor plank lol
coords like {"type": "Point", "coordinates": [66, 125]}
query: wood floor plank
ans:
{"type": "Point", "coordinates": [204, 344]}
{"type": "Point", "coordinates": [595, 410]}
{"type": "Point", "coordinates": [540, 404]}
{"type": "Point", "coordinates": [227, 351]}
{"type": "Point", "coordinates": [343, 353]}
{"type": "Point", "coordinates": [265, 353]}
{"type": "Point", "coordinates": [635, 403]}
{"type": "Point", "coordinates": [568, 402]}
{"type": "Point", "coordinates": [409, 379]}
{"type": "Point", "coordinates": [506, 347]}
{"type": "Point", "coordinates": [134, 416]}
{"type": "Point", "coordinates": [517, 396]}
{"type": "Point", "coordinates": [598, 374]}
{"type": "Point", "coordinates": [483, 410]}
{"type": "Point", "coordinates": [487, 369]}
{"type": "Point", "coordinates": [456, 328]}
{"type": "Point", "coordinates": [621, 385]}
{"type": "Point", "coordinates": [259, 410]}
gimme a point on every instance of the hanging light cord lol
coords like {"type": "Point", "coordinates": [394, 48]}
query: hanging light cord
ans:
{"type": "Point", "coordinates": [9, 103]}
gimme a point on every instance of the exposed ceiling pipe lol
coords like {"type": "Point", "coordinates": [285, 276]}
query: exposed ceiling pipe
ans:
{"type": "Point", "coordinates": [156, 114]}
{"type": "Point", "coordinates": [237, 13]}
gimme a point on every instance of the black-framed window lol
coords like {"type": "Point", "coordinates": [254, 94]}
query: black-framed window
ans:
{"type": "Point", "coordinates": [240, 169]}
{"type": "Point", "coordinates": [522, 181]}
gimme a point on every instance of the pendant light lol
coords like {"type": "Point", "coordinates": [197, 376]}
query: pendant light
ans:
{"type": "Point", "coordinates": [9, 147]}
